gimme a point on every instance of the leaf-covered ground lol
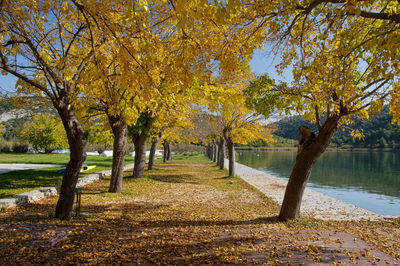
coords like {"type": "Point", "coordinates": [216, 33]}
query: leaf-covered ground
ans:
{"type": "Point", "coordinates": [186, 212]}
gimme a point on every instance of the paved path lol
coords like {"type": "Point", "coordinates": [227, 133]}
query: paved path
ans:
{"type": "Point", "coordinates": [314, 204]}
{"type": "Point", "coordinates": [8, 167]}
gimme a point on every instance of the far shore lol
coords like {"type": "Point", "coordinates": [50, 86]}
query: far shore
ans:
{"type": "Point", "coordinates": [328, 149]}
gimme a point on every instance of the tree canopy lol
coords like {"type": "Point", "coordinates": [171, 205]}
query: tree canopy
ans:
{"type": "Point", "coordinates": [145, 64]}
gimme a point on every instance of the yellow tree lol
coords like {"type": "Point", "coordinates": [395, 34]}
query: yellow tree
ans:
{"type": "Point", "coordinates": [2, 129]}
{"type": "Point", "coordinates": [146, 59]}
{"type": "Point", "coordinates": [45, 45]}
{"type": "Point", "coordinates": [346, 62]}
{"type": "Point", "coordinates": [108, 95]}
{"type": "Point", "coordinates": [237, 123]}
{"type": "Point", "coordinates": [45, 132]}
{"type": "Point", "coordinates": [159, 60]}
{"type": "Point", "coordinates": [100, 134]}
{"type": "Point", "coordinates": [176, 124]}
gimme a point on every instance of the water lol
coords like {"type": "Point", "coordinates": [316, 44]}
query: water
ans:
{"type": "Point", "coordinates": [370, 180]}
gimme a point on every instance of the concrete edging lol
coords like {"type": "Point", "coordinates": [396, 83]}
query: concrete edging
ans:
{"type": "Point", "coordinates": [38, 194]}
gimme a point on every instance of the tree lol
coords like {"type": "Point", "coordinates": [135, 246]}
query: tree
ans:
{"type": "Point", "coordinates": [47, 45]}
{"type": "Point", "coordinates": [343, 64]}
{"type": "Point", "coordinates": [101, 135]}
{"type": "Point", "coordinates": [154, 143]}
{"type": "Point", "coordinates": [45, 132]}
{"type": "Point", "coordinates": [2, 130]}
{"type": "Point", "coordinates": [236, 123]}
{"type": "Point", "coordinates": [139, 133]}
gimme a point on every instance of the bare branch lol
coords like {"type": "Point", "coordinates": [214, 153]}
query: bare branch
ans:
{"type": "Point", "coordinates": [365, 14]}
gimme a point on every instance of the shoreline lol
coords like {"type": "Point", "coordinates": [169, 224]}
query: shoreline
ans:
{"type": "Point", "coordinates": [314, 204]}
{"type": "Point", "coordinates": [329, 149]}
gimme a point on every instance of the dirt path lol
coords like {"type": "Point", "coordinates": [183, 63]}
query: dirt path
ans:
{"type": "Point", "coordinates": [184, 212]}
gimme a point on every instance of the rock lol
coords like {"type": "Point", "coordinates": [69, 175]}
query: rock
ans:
{"type": "Point", "coordinates": [8, 203]}
{"type": "Point", "coordinates": [48, 191]}
{"type": "Point", "coordinates": [29, 197]}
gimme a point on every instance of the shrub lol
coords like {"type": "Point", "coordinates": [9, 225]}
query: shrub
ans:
{"type": "Point", "coordinates": [5, 147]}
{"type": "Point", "coordinates": [20, 148]}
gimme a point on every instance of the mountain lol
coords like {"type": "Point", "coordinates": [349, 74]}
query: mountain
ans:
{"type": "Point", "coordinates": [13, 115]}
{"type": "Point", "coordinates": [378, 131]}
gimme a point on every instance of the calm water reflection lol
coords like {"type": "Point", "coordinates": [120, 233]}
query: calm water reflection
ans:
{"type": "Point", "coordinates": [370, 180]}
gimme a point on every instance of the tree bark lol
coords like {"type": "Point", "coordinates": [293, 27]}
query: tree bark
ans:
{"type": "Point", "coordinates": [139, 142]}
{"type": "Point", "coordinates": [153, 149]}
{"type": "Point", "coordinates": [169, 156]}
{"type": "Point", "coordinates": [215, 157]}
{"type": "Point", "coordinates": [139, 133]}
{"type": "Point", "coordinates": [221, 153]}
{"type": "Point", "coordinates": [309, 150]}
{"type": "Point", "coordinates": [77, 156]}
{"type": "Point", "coordinates": [212, 151]}
{"type": "Point", "coordinates": [165, 154]}
{"type": "Point", "coordinates": [120, 133]}
{"type": "Point", "coordinates": [231, 151]}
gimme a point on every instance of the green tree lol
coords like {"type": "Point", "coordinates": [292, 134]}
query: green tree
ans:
{"type": "Point", "coordinates": [45, 132]}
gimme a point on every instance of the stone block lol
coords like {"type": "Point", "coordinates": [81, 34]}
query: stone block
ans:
{"type": "Point", "coordinates": [48, 191]}
{"type": "Point", "coordinates": [29, 197]}
{"type": "Point", "coordinates": [8, 203]}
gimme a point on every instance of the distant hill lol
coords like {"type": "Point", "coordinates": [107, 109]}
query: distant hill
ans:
{"type": "Point", "coordinates": [378, 131]}
{"type": "Point", "coordinates": [13, 116]}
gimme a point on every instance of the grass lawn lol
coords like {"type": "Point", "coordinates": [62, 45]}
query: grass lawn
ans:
{"type": "Point", "coordinates": [186, 211]}
{"type": "Point", "coordinates": [16, 182]}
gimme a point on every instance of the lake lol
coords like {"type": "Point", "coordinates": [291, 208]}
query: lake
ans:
{"type": "Point", "coordinates": [370, 180]}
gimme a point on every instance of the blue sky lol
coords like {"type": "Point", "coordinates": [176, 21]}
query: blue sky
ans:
{"type": "Point", "coordinates": [263, 62]}
{"type": "Point", "coordinates": [7, 82]}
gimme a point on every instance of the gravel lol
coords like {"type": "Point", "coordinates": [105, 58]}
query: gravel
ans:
{"type": "Point", "coordinates": [314, 204]}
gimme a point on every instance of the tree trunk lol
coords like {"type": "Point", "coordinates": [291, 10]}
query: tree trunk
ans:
{"type": "Point", "coordinates": [169, 157]}
{"type": "Point", "coordinates": [231, 157]}
{"type": "Point", "coordinates": [215, 157]}
{"type": "Point", "coordinates": [309, 150]}
{"type": "Point", "coordinates": [153, 149]}
{"type": "Point", "coordinates": [165, 154]}
{"type": "Point", "coordinates": [77, 157]}
{"type": "Point", "coordinates": [221, 153]}
{"type": "Point", "coordinates": [212, 151]}
{"type": "Point", "coordinates": [120, 133]}
{"type": "Point", "coordinates": [140, 155]}
{"type": "Point", "coordinates": [231, 152]}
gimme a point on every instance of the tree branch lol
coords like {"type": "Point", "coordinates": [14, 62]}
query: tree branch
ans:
{"type": "Point", "coordinates": [317, 118]}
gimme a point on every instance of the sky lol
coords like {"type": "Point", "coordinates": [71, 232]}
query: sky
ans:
{"type": "Point", "coordinates": [263, 62]}
{"type": "Point", "coordinates": [7, 83]}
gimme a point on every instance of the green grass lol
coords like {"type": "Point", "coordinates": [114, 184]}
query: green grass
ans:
{"type": "Point", "coordinates": [16, 182]}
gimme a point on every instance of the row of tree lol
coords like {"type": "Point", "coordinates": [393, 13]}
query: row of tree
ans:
{"type": "Point", "coordinates": [139, 66]}
{"type": "Point", "coordinates": [149, 65]}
